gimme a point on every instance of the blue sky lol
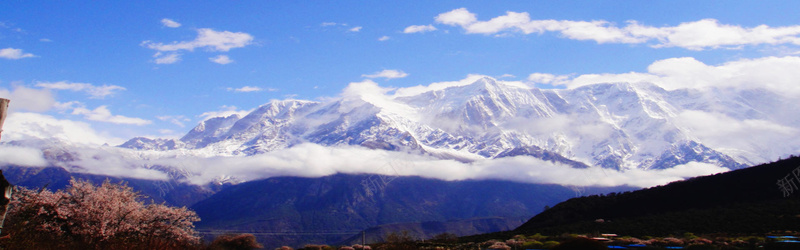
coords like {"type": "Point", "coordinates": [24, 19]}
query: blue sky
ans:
{"type": "Point", "coordinates": [153, 68]}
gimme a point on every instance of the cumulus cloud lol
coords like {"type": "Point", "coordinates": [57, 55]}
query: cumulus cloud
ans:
{"type": "Point", "coordinates": [545, 78]}
{"type": "Point", "coordinates": [14, 54]}
{"type": "Point", "coordinates": [28, 99]}
{"type": "Point", "coordinates": [368, 91]}
{"type": "Point", "coordinates": [170, 23]}
{"type": "Point", "coordinates": [355, 29]}
{"type": "Point", "coordinates": [506, 76]}
{"type": "Point", "coordinates": [224, 111]}
{"type": "Point", "coordinates": [419, 89]}
{"type": "Point", "coordinates": [102, 114]}
{"type": "Point", "coordinates": [221, 59]}
{"type": "Point", "coordinates": [168, 58]}
{"type": "Point", "coordinates": [774, 73]}
{"type": "Point", "coordinates": [209, 39]}
{"type": "Point", "coordinates": [696, 35]}
{"type": "Point", "coordinates": [384, 38]}
{"type": "Point", "coordinates": [419, 29]}
{"type": "Point", "coordinates": [24, 126]}
{"type": "Point", "coordinates": [111, 161]}
{"type": "Point", "coordinates": [387, 73]}
{"type": "Point", "coordinates": [358, 160]}
{"type": "Point", "coordinates": [21, 156]}
{"type": "Point", "coordinates": [727, 134]}
{"type": "Point", "coordinates": [246, 89]}
{"type": "Point", "coordinates": [92, 90]}
{"type": "Point", "coordinates": [461, 17]}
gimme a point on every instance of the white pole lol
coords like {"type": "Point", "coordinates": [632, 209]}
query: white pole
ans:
{"type": "Point", "coordinates": [7, 187]}
{"type": "Point", "coordinates": [3, 112]}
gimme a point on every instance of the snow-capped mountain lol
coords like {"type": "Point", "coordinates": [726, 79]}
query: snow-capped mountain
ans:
{"type": "Point", "coordinates": [615, 125]}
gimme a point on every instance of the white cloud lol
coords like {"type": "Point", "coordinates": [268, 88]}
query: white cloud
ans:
{"type": "Point", "coordinates": [170, 23]}
{"type": "Point", "coordinates": [14, 54]}
{"type": "Point", "coordinates": [174, 119]}
{"type": "Point", "coordinates": [384, 38]}
{"type": "Point", "coordinates": [545, 78]}
{"type": "Point", "coordinates": [28, 99]}
{"type": "Point", "coordinates": [709, 33]}
{"type": "Point", "coordinates": [224, 111]}
{"type": "Point", "coordinates": [206, 38]}
{"type": "Point", "coordinates": [246, 89]}
{"type": "Point", "coordinates": [102, 114]}
{"type": "Point", "coordinates": [368, 91]}
{"type": "Point", "coordinates": [419, 89]}
{"type": "Point", "coordinates": [697, 35]}
{"type": "Point", "coordinates": [92, 90]}
{"type": "Point", "coordinates": [221, 59]}
{"type": "Point", "coordinates": [763, 85]}
{"type": "Point", "coordinates": [45, 40]}
{"type": "Point", "coordinates": [169, 58]}
{"type": "Point", "coordinates": [506, 76]}
{"type": "Point", "coordinates": [21, 156]}
{"type": "Point", "coordinates": [419, 29]}
{"type": "Point", "coordinates": [326, 24]}
{"type": "Point", "coordinates": [356, 29]}
{"type": "Point", "coordinates": [461, 17]}
{"type": "Point", "coordinates": [358, 160]}
{"type": "Point", "coordinates": [23, 126]}
{"type": "Point", "coordinates": [725, 133]}
{"type": "Point", "coordinates": [773, 73]}
{"type": "Point", "coordinates": [111, 161]}
{"type": "Point", "coordinates": [387, 73]}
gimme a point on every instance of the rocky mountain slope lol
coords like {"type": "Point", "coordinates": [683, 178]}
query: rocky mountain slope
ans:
{"type": "Point", "coordinates": [615, 125]}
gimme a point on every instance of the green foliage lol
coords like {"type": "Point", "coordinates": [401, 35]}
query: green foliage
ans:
{"type": "Point", "coordinates": [537, 237]}
{"type": "Point", "coordinates": [550, 244]}
{"type": "Point", "coordinates": [532, 244]}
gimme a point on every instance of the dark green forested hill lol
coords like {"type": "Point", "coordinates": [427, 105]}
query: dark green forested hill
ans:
{"type": "Point", "coordinates": [758, 199]}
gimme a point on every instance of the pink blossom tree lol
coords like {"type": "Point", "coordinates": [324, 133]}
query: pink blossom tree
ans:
{"type": "Point", "coordinates": [100, 217]}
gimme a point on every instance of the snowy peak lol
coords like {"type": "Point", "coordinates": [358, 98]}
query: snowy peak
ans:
{"type": "Point", "coordinates": [152, 144]}
{"type": "Point", "coordinates": [614, 125]}
{"type": "Point", "coordinates": [485, 103]}
{"type": "Point", "coordinates": [211, 128]}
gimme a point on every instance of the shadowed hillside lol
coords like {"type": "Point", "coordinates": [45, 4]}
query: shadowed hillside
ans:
{"type": "Point", "coordinates": [753, 200]}
{"type": "Point", "coordinates": [296, 211]}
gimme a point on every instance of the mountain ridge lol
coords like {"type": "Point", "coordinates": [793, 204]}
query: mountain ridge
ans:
{"type": "Point", "coordinates": [616, 125]}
